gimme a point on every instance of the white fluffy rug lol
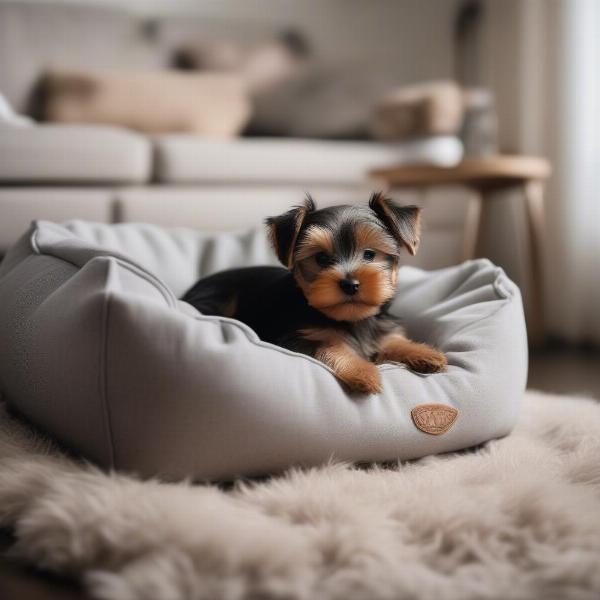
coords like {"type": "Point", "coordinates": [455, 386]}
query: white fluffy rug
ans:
{"type": "Point", "coordinates": [519, 518]}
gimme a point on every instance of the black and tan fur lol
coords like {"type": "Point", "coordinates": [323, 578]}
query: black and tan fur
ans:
{"type": "Point", "coordinates": [331, 300]}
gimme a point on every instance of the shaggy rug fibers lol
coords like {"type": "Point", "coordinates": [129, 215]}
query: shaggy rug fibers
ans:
{"type": "Point", "coordinates": [517, 518]}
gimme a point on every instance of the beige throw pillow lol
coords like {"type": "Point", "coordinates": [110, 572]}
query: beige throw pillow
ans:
{"type": "Point", "coordinates": [211, 104]}
{"type": "Point", "coordinates": [431, 108]}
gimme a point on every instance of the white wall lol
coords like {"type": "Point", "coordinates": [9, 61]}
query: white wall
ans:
{"type": "Point", "coordinates": [415, 36]}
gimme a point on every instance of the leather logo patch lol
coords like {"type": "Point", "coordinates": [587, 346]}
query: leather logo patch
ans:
{"type": "Point", "coordinates": [434, 418]}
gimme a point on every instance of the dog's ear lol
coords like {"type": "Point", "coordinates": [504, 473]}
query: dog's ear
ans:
{"type": "Point", "coordinates": [403, 222]}
{"type": "Point", "coordinates": [285, 228]}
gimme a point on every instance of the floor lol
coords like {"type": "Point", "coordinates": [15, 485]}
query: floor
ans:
{"type": "Point", "coordinates": [558, 371]}
{"type": "Point", "coordinates": [566, 372]}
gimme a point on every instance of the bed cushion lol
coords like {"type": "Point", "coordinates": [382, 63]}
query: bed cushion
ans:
{"type": "Point", "coordinates": [98, 351]}
{"type": "Point", "coordinates": [184, 158]}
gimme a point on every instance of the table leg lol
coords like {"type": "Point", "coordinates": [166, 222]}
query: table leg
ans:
{"type": "Point", "coordinates": [472, 233]}
{"type": "Point", "coordinates": [534, 204]}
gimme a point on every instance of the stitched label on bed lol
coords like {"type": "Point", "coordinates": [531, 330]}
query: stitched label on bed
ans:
{"type": "Point", "coordinates": [434, 418]}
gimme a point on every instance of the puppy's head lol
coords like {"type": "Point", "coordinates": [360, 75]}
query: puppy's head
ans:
{"type": "Point", "coordinates": [345, 258]}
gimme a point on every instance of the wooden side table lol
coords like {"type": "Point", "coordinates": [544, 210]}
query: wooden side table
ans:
{"type": "Point", "coordinates": [484, 176]}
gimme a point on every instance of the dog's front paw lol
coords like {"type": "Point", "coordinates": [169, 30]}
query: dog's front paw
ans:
{"type": "Point", "coordinates": [424, 359]}
{"type": "Point", "coordinates": [363, 377]}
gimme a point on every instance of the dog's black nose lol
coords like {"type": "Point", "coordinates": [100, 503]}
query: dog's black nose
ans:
{"type": "Point", "coordinates": [349, 286]}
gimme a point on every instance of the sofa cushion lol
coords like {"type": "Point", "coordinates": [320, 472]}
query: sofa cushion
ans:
{"type": "Point", "coordinates": [74, 154]}
{"type": "Point", "coordinates": [189, 159]}
{"type": "Point", "coordinates": [103, 356]}
{"type": "Point", "coordinates": [19, 205]}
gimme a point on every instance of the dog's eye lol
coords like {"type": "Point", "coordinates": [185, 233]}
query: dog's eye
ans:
{"type": "Point", "coordinates": [323, 259]}
{"type": "Point", "coordinates": [369, 255]}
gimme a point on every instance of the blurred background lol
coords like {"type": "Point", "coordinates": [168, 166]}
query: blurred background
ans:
{"type": "Point", "coordinates": [213, 114]}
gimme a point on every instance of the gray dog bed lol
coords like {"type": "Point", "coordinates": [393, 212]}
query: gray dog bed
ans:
{"type": "Point", "coordinates": [98, 351]}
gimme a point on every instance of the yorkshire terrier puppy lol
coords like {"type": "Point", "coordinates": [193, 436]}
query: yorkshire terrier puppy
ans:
{"type": "Point", "coordinates": [331, 301]}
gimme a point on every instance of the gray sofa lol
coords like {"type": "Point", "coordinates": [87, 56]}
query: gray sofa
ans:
{"type": "Point", "coordinates": [109, 174]}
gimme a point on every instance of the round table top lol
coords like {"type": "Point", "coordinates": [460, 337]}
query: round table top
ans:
{"type": "Point", "coordinates": [491, 171]}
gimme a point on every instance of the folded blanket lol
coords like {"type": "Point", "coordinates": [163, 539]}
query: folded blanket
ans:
{"type": "Point", "coordinates": [214, 104]}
